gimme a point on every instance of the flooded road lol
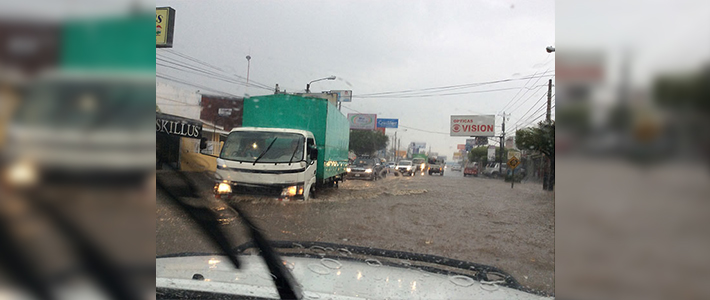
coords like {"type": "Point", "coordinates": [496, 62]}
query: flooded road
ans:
{"type": "Point", "coordinates": [473, 219]}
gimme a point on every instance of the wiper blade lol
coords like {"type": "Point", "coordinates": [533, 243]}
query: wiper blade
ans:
{"type": "Point", "coordinates": [294, 151]}
{"type": "Point", "coordinates": [207, 219]}
{"type": "Point", "coordinates": [265, 150]}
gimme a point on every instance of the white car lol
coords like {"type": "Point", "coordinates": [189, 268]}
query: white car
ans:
{"type": "Point", "coordinates": [405, 167]}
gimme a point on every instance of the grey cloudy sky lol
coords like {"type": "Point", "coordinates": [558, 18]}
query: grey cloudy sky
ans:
{"type": "Point", "coordinates": [378, 46]}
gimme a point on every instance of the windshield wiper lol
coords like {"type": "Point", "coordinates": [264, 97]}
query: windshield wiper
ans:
{"type": "Point", "coordinates": [294, 151]}
{"type": "Point", "coordinates": [208, 221]}
{"type": "Point", "coordinates": [265, 150]}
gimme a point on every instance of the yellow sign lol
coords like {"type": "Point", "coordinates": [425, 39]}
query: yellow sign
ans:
{"type": "Point", "coordinates": [513, 162]}
{"type": "Point", "coordinates": [164, 21]}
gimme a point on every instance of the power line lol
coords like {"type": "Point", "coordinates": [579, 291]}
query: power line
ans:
{"type": "Point", "coordinates": [166, 77]}
{"type": "Point", "coordinates": [206, 73]}
{"type": "Point", "coordinates": [533, 106]}
{"type": "Point", "coordinates": [436, 95]}
{"type": "Point", "coordinates": [523, 95]}
{"type": "Point", "coordinates": [413, 92]}
{"type": "Point", "coordinates": [209, 72]}
{"type": "Point", "coordinates": [520, 90]}
{"type": "Point", "coordinates": [198, 61]}
{"type": "Point", "coordinates": [423, 130]}
{"type": "Point", "coordinates": [210, 76]}
{"type": "Point", "coordinates": [533, 115]}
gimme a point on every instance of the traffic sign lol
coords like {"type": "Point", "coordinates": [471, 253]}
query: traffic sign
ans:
{"type": "Point", "coordinates": [513, 162]}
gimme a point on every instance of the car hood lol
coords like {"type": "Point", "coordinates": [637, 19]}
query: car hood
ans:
{"type": "Point", "coordinates": [320, 278]}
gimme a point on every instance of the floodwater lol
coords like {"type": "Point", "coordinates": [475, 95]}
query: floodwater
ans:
{"type": "Point", "coordinates": [473, 219]}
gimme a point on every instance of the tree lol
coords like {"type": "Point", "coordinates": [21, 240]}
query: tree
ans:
{"type": "Point", "coordinates": [542, 139]}
{"type": "Point", "coordinates": [367, 142]}
{"type": "Point", "coordinates": [480, 154]}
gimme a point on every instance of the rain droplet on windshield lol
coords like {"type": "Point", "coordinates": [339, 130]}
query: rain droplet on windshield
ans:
{"type": "Point", "coordinates": [373, 262]}
{"type": "Point", "coordinates": [491, 285]}
{"type": "Point", "coordinates": [318, 250]}
{"type": "Point", "coordinates": [461, 280]}
{"type": "Point", "coordinates": [331, 263]}
{"type": "Point", "coordinates": [318, 269]}
{"type": "Point", "coordinates": [344, 252]}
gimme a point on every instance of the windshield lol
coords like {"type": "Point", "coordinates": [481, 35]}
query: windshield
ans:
{"type": "Point", "coordinates": [247, 146]}
{"type": "Point", "coordinates": [88, 105]}
{"type": "Point", "coordinates": [395, 84]}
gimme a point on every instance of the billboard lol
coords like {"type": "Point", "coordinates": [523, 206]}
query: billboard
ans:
{"type": "Point", "coordinates": [472, 125]}
{"type": "Point", "coordinates": [388, 123]}
{"type": "Point", "coordinates": [458, 155]}
{"type": "Point", "coordinates": [164, 24]}
{"type": "Point", "coordinates": [417, 145]}
{"type": "Point", "coordinates": [491, 152]}
{"type": "Point", "coordinates": [362, 121]}
{"type": "Point", "coordinates": [344, 95]}
{"type": "Point", "coordinates": [460, 147]}
{"type": "Point", "coordinates": [470, 144]}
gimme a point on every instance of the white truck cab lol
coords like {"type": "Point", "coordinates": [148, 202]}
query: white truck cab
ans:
{"type": "Point", "coordinates": [270, 158]}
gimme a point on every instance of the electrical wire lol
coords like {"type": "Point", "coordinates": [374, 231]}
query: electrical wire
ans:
{"type": "Point", "coordinates": [166, 77]}
{"type": "Point", "coordinates": [203, 63]}
{"type": "Point", "coordinates": [523, 95]}
{"type": "Point", "coordinates": [442, 88]}
{"type": "Point", "coordinates": [516, 94]}
{"type": "Point", "coordinates": [203, 72]}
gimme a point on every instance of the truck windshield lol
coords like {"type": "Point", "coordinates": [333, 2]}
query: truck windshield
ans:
{"type": "Point", "coordinates": [246, 146]}
{"type": "Point", "coordinates": [418, 160]}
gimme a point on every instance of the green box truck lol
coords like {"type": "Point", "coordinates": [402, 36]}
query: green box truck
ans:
{"type": "Point", "coordinates": [288, 143]}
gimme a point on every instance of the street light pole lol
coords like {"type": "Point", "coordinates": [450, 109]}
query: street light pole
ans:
{"type": "Point", "coordinates": [308, 86]}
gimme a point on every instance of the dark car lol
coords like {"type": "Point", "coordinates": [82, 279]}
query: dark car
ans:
{"type": "Point", "coordinates": [366, 168]}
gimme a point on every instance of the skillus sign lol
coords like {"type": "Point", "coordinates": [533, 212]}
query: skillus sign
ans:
{"type": "Point", "coordinates": [174, 126]}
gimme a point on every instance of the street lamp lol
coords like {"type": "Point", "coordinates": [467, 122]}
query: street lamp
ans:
{"type": "Point", "coordinates": [308, 86]}
{"type": "Point", "coordinates": [550, 49]}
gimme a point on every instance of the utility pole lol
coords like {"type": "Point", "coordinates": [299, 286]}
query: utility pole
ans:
{"type": "Point", "coordinates": [394, 146]}
{"type": "Point", "coordinates": [549, 100]}
{"type": "Point", "coordinates": [502, 147]}
{"type": "Point", "coordinates": [546, 184]}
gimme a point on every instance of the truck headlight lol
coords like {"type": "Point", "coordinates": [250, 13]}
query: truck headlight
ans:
{"type": "Point", "coordinates": [292, 191]}
{"type": "Point", "coordinates": [422, 167]}
{"type": "Point", "coordinates": [409, 168]}
{"type": "Point", "coordinates": [22, 173]}
{"type": "Point", "coordinates": [368, 170]}
{"type": "Point", "coordinates": [347, 170]}
{"type": "Point", "coordinates": [223, 188]}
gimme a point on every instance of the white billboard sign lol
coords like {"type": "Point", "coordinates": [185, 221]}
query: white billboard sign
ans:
{"type": "Point", "coordinates": [362, 121]}
{"type": "Point", "coordinates": [474, 125]}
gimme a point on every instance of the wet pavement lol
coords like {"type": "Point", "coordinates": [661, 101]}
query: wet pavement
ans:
{"type": "Point", "coordinates": [473, 219]}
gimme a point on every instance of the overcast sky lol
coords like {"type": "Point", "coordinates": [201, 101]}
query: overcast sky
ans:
{"type": "Point", "coordinates": [378, 46]}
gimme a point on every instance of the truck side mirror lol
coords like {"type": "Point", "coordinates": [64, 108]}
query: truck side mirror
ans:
{"type": "Point", "coordinates": [314, 154]}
